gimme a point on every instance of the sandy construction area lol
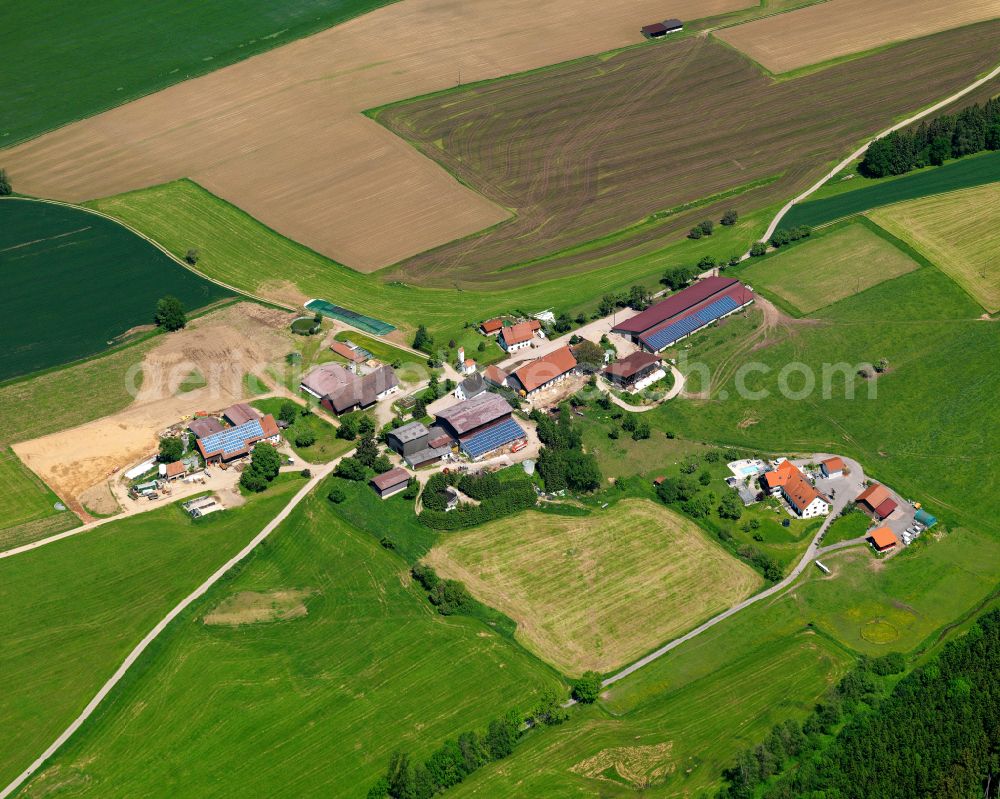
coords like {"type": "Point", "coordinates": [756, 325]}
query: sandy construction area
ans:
{"type": "Point", "coordinates": [840, 27]}
{"type": "Point", "coordinates": [281, 135]}
{"type": "Point", "coordinates": [223, 346]}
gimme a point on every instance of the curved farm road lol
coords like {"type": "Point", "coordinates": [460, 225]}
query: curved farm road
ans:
{"type": "Point", "coordinates": [864, 148]}
{"type": "Point", "coordinates": [857, 478]}
{"type": "Point", "coordinates": [134, 655]}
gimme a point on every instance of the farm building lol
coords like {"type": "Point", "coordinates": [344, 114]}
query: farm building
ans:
{"type": "Point", "coordinates": [472, 386]}
{"type": "Point", "coordinates": [491, 326]}
{"type": "Point", "coordinates": [171, 471]}
{"type": "Point", "coordinates": [658, 30]}
{"type": "Point", "coordinates": [832, 467]}
{"type": "Point", "coordinates": [664, 324]}
{"type": "Point", "coordinates": [234, 442]}
{"type": "Point", "coordinates": [517, 337]}
{"type": "Point", "coordinates": [924, 518]}
{"type": "Point", "coordinates": [340, 390]}
{"type": "Point", "coordinates": [877, 501]}
{"type": "Point", "coordinates": [788, 481]}
{"type": "Point", "coordinates": [418, 444]}
{"type": "Point", "coordinates": [636, 371]}
{"type": "Point", "coordinates": [481, 425]}
{"type": "Point", "coordinates": [205, 426]}
{"type": "Point", "coordinates": [240, 413]}
{"type": "Point", "coordinates": [882, 539]}
{"type": "Point", "coordinates": [347, 352]}
{"type": "Point", "coordinates": [543, 372]}
{"type": "Point", "coordinates": [391, 482]}
{"type": "Point", "coordinates": [495, 376]}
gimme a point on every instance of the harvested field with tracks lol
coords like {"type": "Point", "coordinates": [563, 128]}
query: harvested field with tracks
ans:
{"type": "Point", "coordinates": [283, 137]}
{"type": "Point", "coordinates": [959, 232]}
{"type": "Point", "coordinates": [597, 591]}
{"type": "Point", "coordinates": [587, 148]}
{"type": "Point", "coordinates": [837, 28]}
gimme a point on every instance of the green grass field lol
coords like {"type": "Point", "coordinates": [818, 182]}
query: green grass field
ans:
{"type": "Point", "coordinates": [959, 232]}
{"type": "Point", "coordinates": [127, 56]}
{"type": "Point", "coordinates": [241, 252]}
{"type": "Point", "coordinates": [661, 456]}
{"type": "Point", "coordinates": [678, 722]}
{"type": "Point", "coordinates": [90, 599]}
{"type": "Point", "coordinates": [834, 266]}
{"type": "Point", "coordinates": [864, 194]}
{"type": "Point", "coordinates": [327, 696]}
{"type": "Point", "coordinates": [927, 426]}
{"type": "Point", "coordinates": [78, 283]}
{"type": "Point", "coordinates": [846, 527]}
{"type": "Point", "coordinates": [326, 447]}
{"type": "Point", "coordinates": [27, 506]}
{"type": "Point", "coordinates": [597, 591]}
{"type": "Point", "coordinates": [70, 396]}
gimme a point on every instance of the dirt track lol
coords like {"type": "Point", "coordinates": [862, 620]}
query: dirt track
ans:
{"type": "Point", "coordinates": [281, 135]}
{"type": "Point", "coordinates": [223, 346]}
{"type": "Point", "coordinates": [814, 34]}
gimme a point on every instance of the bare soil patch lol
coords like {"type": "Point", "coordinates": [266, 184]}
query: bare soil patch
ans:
{"type": "Point", "coordinates": [100, 500]}
{"type": "Point", "coordinates": [836, 28]}
{"type": "Point", "coordinates": [252, 607]}
{"type": "Point", "coordinates": [282, 135]}
{"type": "Point", "coordinates": [223, 346]}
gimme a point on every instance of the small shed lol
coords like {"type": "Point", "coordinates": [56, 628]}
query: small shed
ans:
{"type": "Point", "coordinates": [391, 482]}
{"type": "Point", "coordinates": [924, 518]}
{"type": "Point", "coordinates": [832, 467]}
{"type": "Point", "coordinates": [883, 539]}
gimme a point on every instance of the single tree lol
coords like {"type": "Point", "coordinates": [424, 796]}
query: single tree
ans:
{"type": "Point", "coordinates": [5, 188]}
{"type": "Point", "coordinates": [757, 249]}
{"type": "Point", "coordinates": [367, 452]}
{"type": "Point", "coordinates": [305, 438]}
{"type": "Point", "coordinates": [730, 217]}
{"type": "Point", "coordinates": [336, 496]}
{"type": "Point", "coordinates": [266, 458]}
{"type": "Point", "coordinates": [288, 411]}
{"type": "Point", "coordinates": [253, 479]}
{"type": "Point", "coordinates": [170, 313]}
{"type": "Point", "coordinates": [191, 256]}
{"type": "Point", "coordinates": [696, 232]}
{"type": "Point", "coordinates": [707, 227]}
{"type": "Point", "coordinates": [422, 340]}
{"type": "Point", "coordinates": [171, 449]}
{"type": "Point", "coordinates": [587, 689]}
{"type": "Point", "coordinates": [351, 469]}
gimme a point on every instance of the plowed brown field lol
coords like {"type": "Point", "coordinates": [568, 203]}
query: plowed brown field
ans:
{"type": "Point", "coordinates": [281, 135]}
{"type": "Point", "coordinates": [836, 28]}
{"type": "Point", "coordinates": [587, 148]}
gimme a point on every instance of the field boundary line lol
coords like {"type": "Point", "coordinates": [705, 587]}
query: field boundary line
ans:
{"type": "Point", "coordinates": [864, 148]}
{"type": "Point", "coordinates": [158, 246]}
{"type": "Point", "coordinates": [154, 633]}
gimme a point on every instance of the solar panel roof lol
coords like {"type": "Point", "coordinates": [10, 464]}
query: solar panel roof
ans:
{"type": "Point", "coordinates": [666, 336]}
{"type": "Point", "coordinates": [494, 438]}
{"type": "Point", "coordinates": [233, 439]}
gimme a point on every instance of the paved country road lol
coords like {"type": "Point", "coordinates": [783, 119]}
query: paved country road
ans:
{"type": "Point", "coordinates": [851, 488]}
{"type": "Point", "coordinates": [319, 474]}
{"type": "Point", "coordinates": [864, 148]}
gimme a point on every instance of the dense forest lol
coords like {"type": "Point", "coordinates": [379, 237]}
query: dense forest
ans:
{"type": "Point", "coordinates": [935, 735]}
{"type": "Point", "coordinates": [971, 130]}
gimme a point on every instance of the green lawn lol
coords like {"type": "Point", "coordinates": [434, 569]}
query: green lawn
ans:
{"type": "Point", "coordinates": [833, 266]}
{"type": "Point", "coordinates": [316, 704]}
{"type": "Point", "coordinates": [927, 426]}
{"type": "Point", "coordinates": [70, 396]}
{"type": "Point", "coordinates": [661, 456]}
{"type": "Point", "coordinates": [27, 506]}
{"type": "Point", "coordinates": [689, 713]}
{"type": "Point", "coordinates": [241, 252]}
{"type": "Point", "coordinates": [864, 194]}
{"type": "Point", "coordinates": [77, 283]}
{"type": "Point", "coordinates": [844, 528]}
{"type": "Point", "coordinates": [126, 55]}
{"type": "Point", "coordinates": [326, 447]}
{"type": "Point", "coordinates": [90, 599]}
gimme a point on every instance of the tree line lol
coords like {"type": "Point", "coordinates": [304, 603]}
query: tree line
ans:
{"type": "Point", "coordinates": [972, 130]}
{"type": "Point", "coordinates": [497, 498]}
{"type": "Point", "coordinates": [937, 734]}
